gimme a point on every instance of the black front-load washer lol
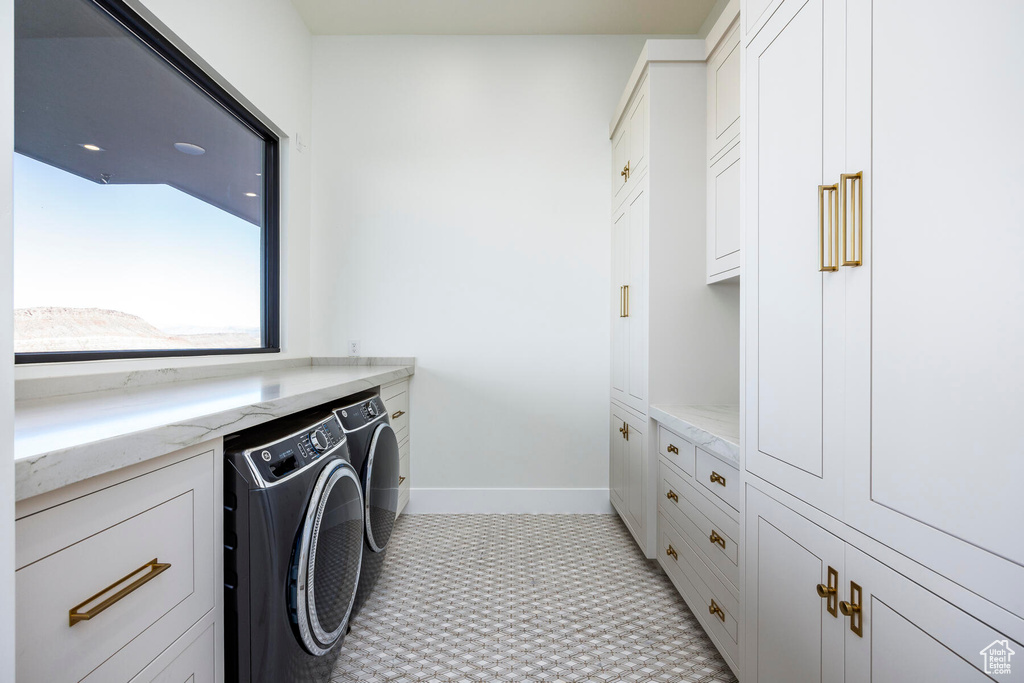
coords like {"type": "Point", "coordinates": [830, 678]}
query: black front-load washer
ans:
{"type": "Point", "coordinates": [293, 541]}
{"type": "Point", "coordinates": [374, 451]}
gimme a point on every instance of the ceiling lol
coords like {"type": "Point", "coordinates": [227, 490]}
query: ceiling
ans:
{"type": "Point", "coordinates": [503, 17]}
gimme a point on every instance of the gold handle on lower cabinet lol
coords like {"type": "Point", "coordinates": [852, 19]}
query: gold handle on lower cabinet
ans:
{"type": "Point", "coordinates": [715, 538]}
{"type": "Point", "coordinates": [713, 608]}
{"type": "Point", "coordinates": [853, 212]}
{"type": "Point", "coordinates": [672, 495]}
{"type": "Point", "coordinates": [155, 569]}
{"type": "Point", "coordinates": [831, 591]}
{"type": "Point", "coordinates": [854, 609]}
{"type": "Point", "coordinates": [833, 228]}
{"type": "Point", "coordinates": [400, 480]}
{"type": "Point", "coordinates": [627, 433]}
{"type": "Point", "coordinates": [397, 414]}
{"type": "Point", "coordinates": [671, 552]}
{"type": "Point", "coordinates": [672, 449]}
{"type": "Point", "coordinates": [626, 299]}
{"type": "Point", "coordinates": [717, 478]}
{"type": "Point", "coordinates": [622, 301]}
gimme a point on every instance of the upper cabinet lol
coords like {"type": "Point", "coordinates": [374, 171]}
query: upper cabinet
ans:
{"type": "Point", "coordinates": [723, 140]}
{"type": "Point", "coordinates": [630, 147]}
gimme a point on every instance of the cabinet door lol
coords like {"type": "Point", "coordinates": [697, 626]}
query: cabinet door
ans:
{"type": "Point", "coordinates": [724, 93]}
{"type": "Point", "coordinates": [620, 156]}
{"type": "Point", "coordinates": [794, 312]}
{"type": "Point", "coordinates": [790, 635]}
{"type": "Point", "coordinates": [620, 323]}
{"type": "Point", "coordinates": [636, 477]}
{"type": "Point", "coordinates": [934, 325]}
{"type": "Point", "coordinates": [910, 634]}
{"type": "Point", "coordinates": [723, 239]}
{"type": "Point", "coordinates": [639, 137]}
{"type": "Point", "coordinates": [617, 471]}
{"type": "Point", "coordinates": [636, 299]}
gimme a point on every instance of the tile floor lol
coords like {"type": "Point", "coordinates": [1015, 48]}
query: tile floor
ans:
{"type": "Point", "coordinates": [524, 598]}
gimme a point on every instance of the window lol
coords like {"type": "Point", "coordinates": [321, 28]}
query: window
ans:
{"type": "Point", "coordinates": [145, 196]}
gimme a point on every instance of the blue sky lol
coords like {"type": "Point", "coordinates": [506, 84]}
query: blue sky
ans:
{"type": "Point", "coordinates": [149, 250]}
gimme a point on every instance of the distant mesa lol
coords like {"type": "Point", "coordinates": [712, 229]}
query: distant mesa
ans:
{"type": "Point", "coordinates": [55, 328]}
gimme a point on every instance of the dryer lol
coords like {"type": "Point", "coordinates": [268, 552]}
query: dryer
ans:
{"type": "Point", "coordinates": [293, 542]}
{"type": "Point", "coordinates": [374, 451]}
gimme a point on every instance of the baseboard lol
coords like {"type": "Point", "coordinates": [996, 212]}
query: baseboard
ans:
{"type": "Point", "coordinates": [426, 501]}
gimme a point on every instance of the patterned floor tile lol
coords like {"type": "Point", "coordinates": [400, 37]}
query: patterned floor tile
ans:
{"type": "Point", "coordinates": [550, 598]}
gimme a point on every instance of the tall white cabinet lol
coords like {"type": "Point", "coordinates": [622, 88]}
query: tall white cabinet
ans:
{"type": "Point", "coordinates": [883, 328]}
{"type": "Point", "coordinates": [673, 340]}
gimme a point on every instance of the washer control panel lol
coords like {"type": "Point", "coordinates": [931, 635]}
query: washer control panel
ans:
{"type": "Point", "coordinates": [361, 414]}
{"type": "Point", "coordinates": [277, 460]}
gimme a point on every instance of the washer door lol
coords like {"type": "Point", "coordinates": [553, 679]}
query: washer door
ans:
{"type": "Point", "coordinates": [329, 559]}
{"type": "Point", "coordinates": [380, 479]}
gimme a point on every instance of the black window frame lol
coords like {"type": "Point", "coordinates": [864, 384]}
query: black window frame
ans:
{"type": "Point", "coordinates": [270, 248]}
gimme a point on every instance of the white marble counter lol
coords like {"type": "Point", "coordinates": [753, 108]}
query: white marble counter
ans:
{"type": "Point", "coordinates": [716, 429]}
{"type": "Point", "coordinates": [60, 440]}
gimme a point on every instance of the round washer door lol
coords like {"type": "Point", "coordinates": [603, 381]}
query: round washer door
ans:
{"type": "Point", "coordinates": [329, 559]}
{"type": "Point", "coordinates": [381, 487]}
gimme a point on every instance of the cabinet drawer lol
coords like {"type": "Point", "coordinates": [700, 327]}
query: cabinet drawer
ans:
{"type": "Point", "coordinates": [396, 401]}
{"type": "Point", "coordinates": [702, 521]}
{"type": "Point", "coordinates": [677, 450]}
{"type": "Point", "coordinates": [691, 575]}
{"type": "Point", "coordinates": [721, 479]}
{"type": "Point", "coordinates": [403, 476]}
{"type": "Point", "coordinates": [197, 663]}
{"type": "Point", "coordinates": [164, 516]}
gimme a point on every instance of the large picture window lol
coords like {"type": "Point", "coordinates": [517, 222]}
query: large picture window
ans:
{"type": "Point", "coordinates": [145, 196]}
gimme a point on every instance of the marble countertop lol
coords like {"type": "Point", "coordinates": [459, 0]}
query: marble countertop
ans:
{"type": "Point", "coordinates": [716, 429]}
{"type": "Point", "coordinates": [60, 440]}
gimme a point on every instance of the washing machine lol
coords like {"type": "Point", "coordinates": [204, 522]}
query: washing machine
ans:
{"type": "Point", "coordinates": [293, 547]}
{"type": "Point", "coordinates": [373, 448]}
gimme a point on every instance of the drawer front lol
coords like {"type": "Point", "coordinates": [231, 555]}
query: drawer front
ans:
{"type": "Point", "coordinates": [396, 400]}
{"type": "Point", "coordinates": [677, 450]}
{"type": "Point", "coordinates": [165, 599]}
{"type": "Point", "coordinates": [721, 479]}
{"type": "Point", "coordinates": [403, 476]}
{"type": "Point", "coordinates": [197, 663]}
{"type": "Point", "coordinates": [709, 529]}
{"type": "Point", "coordinates": [698, 594]}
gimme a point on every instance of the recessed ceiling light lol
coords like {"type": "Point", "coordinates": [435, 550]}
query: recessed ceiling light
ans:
{"type": "Point", "coordinates": [92, 148]}
{"type": "Point", "coordinates": [251, 194]}
{"type": "Point", "coordinates": [189, 148]}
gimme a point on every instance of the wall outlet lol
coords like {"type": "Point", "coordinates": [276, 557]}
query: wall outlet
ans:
{"type": "Point", "coordinates": [353, 347]}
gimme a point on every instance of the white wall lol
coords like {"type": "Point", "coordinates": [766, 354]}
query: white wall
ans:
{"type": "Point", "coordinates": [261, 50]}
{"type": "Point", "coordinates": [6, 345]}
{"type": "Point", "coordinates": [460, 215]}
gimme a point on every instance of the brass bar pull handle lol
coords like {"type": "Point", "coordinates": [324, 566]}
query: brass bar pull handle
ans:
{"type": "Point", "coordinates": [627, 432]}
{"type": "Point", "coordinates": [622, 301]}
{"type": "Point", "coordinates": [713, 608]}
{"type": "Point", "coordinates": [400, 480]}
{"type": "Point", "coordinates": [672, 495]}
{"type": "Point", "coordinates": [853, 212]}
{"type": "Point", "coordinates": [671, 552]}
{"type": "Point", "coordinates": [626, 299]}
{"type": "Point", "coordinates": [715, 538]}
{"type": "Point", "coordinates": [854, 609]}
{"type": "Point", "coordinates": [625, 172]}
{"type": "Point", "coordinates": [398, 414]}
{"type": "Point", "coordinates": [833, 228]}
{"type": "Point", "coordinates": [672, 449]}
{"type": "Point", "coordinates": [717, 478]}
{"type": "Point", "coordinates": [624, 430]}
{"type": "Point", "coordinates": [831, 591]}
{"type": "Point", "coordinates": [154, 569]}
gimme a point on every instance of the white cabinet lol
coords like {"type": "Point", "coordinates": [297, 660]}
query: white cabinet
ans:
{"type": "Point", "coordinates": [628, 469]}
{"type": "Point", "coordinates": [396, 402]}
{"type": "Point", "coordinates": [723, 140]}
{"type": "Point", "coordinates": [723, 245]}
{"type": "Point", "coordinates": [629, 324]}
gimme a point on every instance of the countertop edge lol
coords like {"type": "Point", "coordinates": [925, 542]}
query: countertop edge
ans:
{"type": "Point", "coordinates": [714, 444]}
{"type": "Point", "coordinates": [44, 472]}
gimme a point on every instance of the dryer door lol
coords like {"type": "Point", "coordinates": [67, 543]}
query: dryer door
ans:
{"type": "Point", "coordinates": [381, 487]}
{"type": "Point", "coordinates": [330, 554]}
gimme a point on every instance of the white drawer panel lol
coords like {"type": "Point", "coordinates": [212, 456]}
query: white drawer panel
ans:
{"type": "Point", "coordinates": [396, 401]}
{"type": "Point", "coordinates": [677, 450]}
{"type": "Point", "coordinates": [119, 641]}
{"type": "Point", "coordinates": [702, 521]}
{"type": "Point", "coordinates": [197, 663]}
{"type": "Point", "coordinates": [404, 485]}
{"type": "Point", "coordinates": [721, 479]}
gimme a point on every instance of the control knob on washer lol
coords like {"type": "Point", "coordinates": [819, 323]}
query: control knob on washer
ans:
{"type": "Point", "coordinates": [320, 440]}
{"type": "Point", "coordinates": [371, 408]}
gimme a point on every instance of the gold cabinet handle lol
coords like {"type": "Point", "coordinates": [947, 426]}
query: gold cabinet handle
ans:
{"type": "Point", "coordinates": [626, 300]}
{"type": "Point", "coordinates": [400, 480]}
{"type": "Point", "coordinates": [713, 608]}
{"type": "Point", "coordinates": [625, 172]}
{"type": "Point", "coordinates": [398, 414]}
{"type": "Point", "coordinates": [854, 610]}
{"type": "Point", "coordinates": [672, 495]}
{"type": "Point", "coordinates": [717, 478]}
{"type": "Point", "coordinates": [671, 552]}
{"type": "Point", "coordinates": [624, 430]}
{"type": "Point", "coordinates": [154, 568]}
{"type": "Point", "coordinates": [853, 212]}
{"type": "Point", "coordinates": [622, 301]}
{"type": "Point", "coordinates": [672, 449]}
{"type": "Point", "coordinates": [833, 228]}
{"type": "Point", "coordinates": [715, 538]}
{"type": "Point", "coordinates": [831, 591]}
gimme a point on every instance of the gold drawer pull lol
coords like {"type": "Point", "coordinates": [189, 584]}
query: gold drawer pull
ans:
{"type": "Point", "coordinates": [626, 300]}
{"type": "Point", "coordinates": [713, 608]}
{"type": "Point", "coordinates": [625, 172]}
{"type": "Point", "coordinates": [832, 211]}
{"type": "Point", "coordinates": [624, 430]}
{"type": "Point", "coordinates": [396, 415]}
{"type": "Point", "coordinates": [671, 495]}
{"type": "Point", "coordinates": [853, 610]}
{"type": "Point", "coordinates": [155, 569]}
{"type": "Point", "coordinates": [831, 591]}
{"type": "Point", "coordinates": [400, 480]}
{"type": "Point", "coordinates": [854, 214]}
{"type": "Point", "coordinates": [715, 538]}
{"type": "Point", "coordinates": [671, 552]}
{"type": "Point", "coordinates": [672, 449]}
{"type": "Point", "coordinates": [717, 478]}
